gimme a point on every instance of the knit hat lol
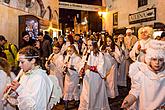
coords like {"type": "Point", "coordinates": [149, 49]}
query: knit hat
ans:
{"type": "Point", "coordinates": [156, 49]}
{"type": "Point", "coordinates": [128, 30]}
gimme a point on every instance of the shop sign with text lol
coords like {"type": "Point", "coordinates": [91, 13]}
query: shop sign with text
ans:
{"type": "Point", "coordinates": [143, 16]}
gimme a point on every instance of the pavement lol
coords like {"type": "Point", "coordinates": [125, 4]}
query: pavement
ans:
{"type": "Point", "coordinates": [115, 103]}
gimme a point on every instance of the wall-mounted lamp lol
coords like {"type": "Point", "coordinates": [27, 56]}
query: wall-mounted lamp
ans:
{"type": "Point", "coordinates": [102, 12]}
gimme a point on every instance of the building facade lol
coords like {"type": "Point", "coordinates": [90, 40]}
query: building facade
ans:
{"type": "Point", "coordinates": [45, 11]}
{"type": "Point", "coordinates": [122, 14]}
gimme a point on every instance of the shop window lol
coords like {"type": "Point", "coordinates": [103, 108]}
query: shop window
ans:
{"type": "Point", "coordinates": [142, 3]}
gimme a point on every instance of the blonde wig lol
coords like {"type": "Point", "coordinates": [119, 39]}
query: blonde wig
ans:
{"type": "Point", "coordinates": [146, 28]}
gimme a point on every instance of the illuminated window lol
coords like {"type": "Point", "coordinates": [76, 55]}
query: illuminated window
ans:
{"type": "Point", "coordinates": [142, 3]}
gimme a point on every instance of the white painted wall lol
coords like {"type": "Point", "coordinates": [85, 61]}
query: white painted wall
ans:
{"type": "Point", "coordinates": [126, 7]}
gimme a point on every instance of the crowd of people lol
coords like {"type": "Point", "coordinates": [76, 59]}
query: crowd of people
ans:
{"type": "Point", "coordinates": [84, 68]}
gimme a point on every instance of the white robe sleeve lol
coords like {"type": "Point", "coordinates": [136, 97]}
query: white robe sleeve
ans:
{"type": "Point", "coordinates": [117, 54]}
{"type": "Point", "coordinates": [134, 69]}
{"type": "Point", "coordinates": [100, 65]}
{"type": "Point", "coordinates": [134, 51]}
{"type": "Point", "coordinates": [58, 64]}
{"type": "Point", "coordinates": [56, 93]}
{"type": "Point", "coordinates": [3, 81]}
{"type": "Point", "coordinates": [32, 94]}
{"type": "Point", "coordinates": [135, 85]}
{"type": "Point", "coordinates": [77, 63]}
{"type": "Point", "coordinates": [81, 63]}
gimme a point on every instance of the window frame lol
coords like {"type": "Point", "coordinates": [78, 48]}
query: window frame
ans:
{"type": "Point", "coordinates": [142, 3]}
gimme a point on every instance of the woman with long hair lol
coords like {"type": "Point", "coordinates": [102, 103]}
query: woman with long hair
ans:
{"type": "Point", "coordinates": [93, 95]}
{"type": "Point", "coordinates": [110, 66]}
{"type": "Point", "coordinates": [71, 67]}
{"type": "Point", "coordinates": [6, 76]}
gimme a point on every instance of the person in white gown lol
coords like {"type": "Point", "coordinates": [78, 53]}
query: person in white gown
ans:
{"type": "Point", "coordinates": [145, 35]}
{"type": "Point", "coordinates": [148, 84]}
{"type": "Point", "coordinates": [110, 66]}
{"type": "Point", "coordinates": [54, 64]}
{"type": "Point", "coordinates": [35, 87]}
{"type": "Point", "coordinates": [71, 90]}
{"type": "Point", "coordinates": [94, 94]}
{"type": "Point", "coordinates": [5, 78]}
{"type": "Point", "coordinates": [124, 64]}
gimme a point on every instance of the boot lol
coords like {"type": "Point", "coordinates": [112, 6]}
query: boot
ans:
{"type": "Point", "coordinates": [77, 102]}
{"type": "Point", "coordinates": [66, 105]}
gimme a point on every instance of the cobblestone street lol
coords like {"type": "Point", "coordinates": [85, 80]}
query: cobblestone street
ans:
{"type": "Point", "coordinates": [114, 103]}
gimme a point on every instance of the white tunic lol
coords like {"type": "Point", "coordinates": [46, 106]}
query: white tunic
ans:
{"type": "Point", "coordinates": [123, 68]}
{"type": "Point", "coordinates": [64, 47]}
{"type": "Point", "coordinates": [4, 80]}
{"type": "Point", "coordinates": [144, 45]}
{"type": "Point", "coordinates": [94, 95]}
{"type": "Point", "coordinates": [56, 67]}
{"type": "Point", "coordinates": [34, 90]}
{"type": "Point", "coordinates": [72, 79]}
{"type": "Point", "coordinates": [149, 88]}
{"type": "Point", "coordinates": [111, 71]}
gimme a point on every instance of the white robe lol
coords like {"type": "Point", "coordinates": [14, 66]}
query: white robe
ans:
{"type": "Point", "coordinates": [64, 47]}
{"type": "Point", "coordinates": [117, 54]}
{"type": "Point", "coordinates": [4, 80]}
{"type": "Point", "coordinates": [123, 68]}
{"type": "Point", "coordinates": [148, 87]}
{"type": "Point", "coordinates": [94, 95]}
{"type": "Point", "coordinates": [111, 80]}
{"type": "Point", "coordinates": [72, 79]}
{"type": "Point", "coordinates": [144, 45]}
{"type": "Point", "coordinates": [56, 94]}
{"type": "Point", "coordinates": [56, 67]}
{"type": "Point", "coordinates": [34, 91]}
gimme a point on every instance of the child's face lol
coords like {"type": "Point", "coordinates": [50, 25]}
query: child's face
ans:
{"type": "Point", "coordinates": [157, 63]}
{"type": "Point", "coordinates": [56, 50]}
{"type": "Point", "coordinates": [60, 40]}
{"type": "Point", "coordinates": [121, 39]}
{"type": "Point", "coordinates": [109, 41]}
{"type": "Point", "coordinates": [24, 63]}
{"type": "Point", "coordinates": [70, 51]}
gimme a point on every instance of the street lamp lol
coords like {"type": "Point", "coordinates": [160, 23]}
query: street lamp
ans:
{"type": "Point", "coordinates": [102, 12]}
